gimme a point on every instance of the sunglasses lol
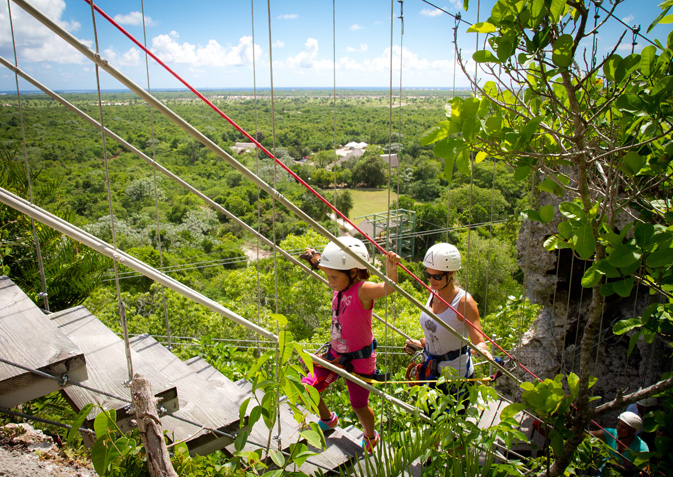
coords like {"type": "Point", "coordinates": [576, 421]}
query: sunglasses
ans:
{"type": "Point", "coordinates": [436, 276]}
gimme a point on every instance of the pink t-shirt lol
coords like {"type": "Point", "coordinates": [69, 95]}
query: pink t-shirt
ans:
{"type": "Point", "coordinates": [352, 327]}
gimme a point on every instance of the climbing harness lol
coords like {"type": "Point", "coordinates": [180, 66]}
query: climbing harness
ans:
{"type": "Point", "coordinates": [345, 361]}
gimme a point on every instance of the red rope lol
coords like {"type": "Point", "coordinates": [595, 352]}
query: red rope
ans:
{"type": "Point", "coordinates": [301, 181]}
{"type": "Point", "coordinates": [298, 179]}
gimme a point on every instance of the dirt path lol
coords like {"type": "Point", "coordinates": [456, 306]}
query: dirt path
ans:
{"type": "Point", "coordinates": [26, 452]}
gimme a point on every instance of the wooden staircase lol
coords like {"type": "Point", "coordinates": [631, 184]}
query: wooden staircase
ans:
{"type": "Point", "coordinates": [199, 405]}
{"type": "Point", "coordinates": [195, 397]}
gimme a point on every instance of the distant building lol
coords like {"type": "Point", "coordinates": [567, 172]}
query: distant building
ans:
{"type": "Point", "coordinates": [350, 150]}
{"type": "Point", "coordinates": [242, 147]}
{"type": "Point", "coordinates": [392, 159]}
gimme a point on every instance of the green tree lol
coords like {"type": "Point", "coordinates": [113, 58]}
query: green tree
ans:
{"type": "Point", "coordinates": [370, 171]}
{"type": "Point", "coordinates": [596, 134]}
{"type": "Point", "coordinates": [71, 271]}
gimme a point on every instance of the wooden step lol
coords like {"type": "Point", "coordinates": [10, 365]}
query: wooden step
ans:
{"type": "Point", "coordinates": [342, 448]}
{"type": "Point", "coordinates": [30, 339]}
{"type": "Point", "coordinates": [106, 361]}
{"type": "Point", "coordinates": [200, 401]}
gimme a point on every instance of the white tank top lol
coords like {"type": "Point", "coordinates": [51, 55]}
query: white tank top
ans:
{"type": "Point", "coordinates": [438, 340]}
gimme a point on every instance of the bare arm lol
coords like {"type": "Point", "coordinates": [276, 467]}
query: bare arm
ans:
{"type": "Point", "coordinates": [370, 291]}
{"type": "Point", "coordinates": [469, 308]}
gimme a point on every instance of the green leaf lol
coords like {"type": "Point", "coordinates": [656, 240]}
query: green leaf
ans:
{"type": "Point", "coordinates": [662, 258]}
{"type": "Point", "coordinates": [435, 133]}
{"type": "Point", "coordinates": [623, 287]}
{"type": "Point", "coordinates": [585, 243]}
{"type": "Point", "coordinates": [262, 359]}
{"type": "Point", "coordinates": [606, 289]}
{"type": "Point", "coordinates": [573, 384]}
{"type": "Point", "coordinates": [624, 326]}
{"type": "Point", "coordinates": [631, 103]}
{"type": "Point", "coordinates": [565, 230]}
{"type": "Point", "coordinates": [77, 423]}
{"type": "Point", "coordinates": [552, 187]}
{"type": "Point", "coordinates": [482, 27]}
{"type": "Point", "coordinates": [632, 163]}
{"type": "Point", "coordinates": [658, 19]}
{"type": "Point", "coordinates": [463, 162]}
{"type": "Point", "coordinates": [277, 457]}
{"type": "Point", "coordinates": [530, 129]}
{"type": "Point", "coordinates": [241, 439]}
{"type": "Point", "coordinates": [647, 57]}
{"type": "Point", "coordinates": [100, 424]}
{"type": "Point", "coordinates": [547, 213]}
{"type": "Point", "coordinates": [556, 10]}
{"type": "Point", "coordinates": [624, 256]}
{"type": "Point", "coordinates": [521, 173]}
{"type": "Point", "coordinates": [591, 277]}
{"type": "Point", "coordinates": [471, 127]}
{"type": "Point", "coordinates": [512, 410]}
{"type": "Point", "coordinates": [532, 214]}
{"type": "Point", "coordinates": [572, 211]}
{"type": "Point", "coordinates": [562, 53]}
{"type": "Point", "coordinates": [643, 233]}
{"type": "Point", "coordinates": [255, 414]}
{"type": "Point", "coordinates": [98, 455]}
{"type": "Point", "coordinates": [484, 56]}
{"type": "Point", "coordinates": [606, 269]}
{"type": "Point", "coordinates": [448, 168]}
{"type": "Point", "coordinates": [613, 69]}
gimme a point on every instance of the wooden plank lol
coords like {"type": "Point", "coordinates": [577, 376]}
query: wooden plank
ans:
{"type": "Point", "coordinates": [28, 338]}
{"type": "Point", "coordinates": [341, 448]}
{"type": "Point", "coordinates": [106, 358]}
{"type": "Point", "coordinates": [199, 400]}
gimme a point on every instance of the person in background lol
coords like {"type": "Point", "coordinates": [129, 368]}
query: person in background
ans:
{"type": "Point", "coordinates": [352, 342]}
{"type": "Point", "coordinates": [441, 348]}
{"type": "Point", "coordinates": [641, 408]}
{"type": "Point", "coordinates": [624, 441]}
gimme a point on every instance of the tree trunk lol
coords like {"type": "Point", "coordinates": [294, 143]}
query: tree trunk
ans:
{"type": "Point", "coordinates": [149, 425]}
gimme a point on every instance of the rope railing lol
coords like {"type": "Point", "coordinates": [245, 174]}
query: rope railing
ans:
{"type": "Point", "coordinates": [115, 254]}
{"type": "Point", "coordinates": [104, 248]}
{"type": "Point", "coordinates": [277, 195]}
{"type": "Point", "coordinates": [103, 63]}
{"type": "Point", "coordinates": [128, 401]}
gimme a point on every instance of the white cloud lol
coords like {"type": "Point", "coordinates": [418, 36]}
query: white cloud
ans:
{"type": "Point", "coordinates": [288, 16]}
{"type": "Point", "coordinates": [34, 42]}
{"type": "Point", "coordinates": [363, 47]}
{"type": "Point", "coordinates": [628, 19]}
{"type": "Point", "coordinates": [130, 58]}
{"type": "Point", "coordinates": [356, 27]}
{"type": "Point", "coordinates": [134, 19]}
{"type": "Point", "coordinates": [431, 12]}
{"type": "Point", "coordinates": [306, 58]}
{"type": "Point", "coordinates": [213, 54]}
{"type": "Point", "coordinates": [279, 44]}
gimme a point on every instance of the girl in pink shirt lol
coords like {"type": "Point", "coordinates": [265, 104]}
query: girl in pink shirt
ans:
{"type": "Point", "coordinates": [352, 341]}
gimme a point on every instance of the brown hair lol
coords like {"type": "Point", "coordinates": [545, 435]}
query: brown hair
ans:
{"type": "Point", "coordinates": [363, 273]}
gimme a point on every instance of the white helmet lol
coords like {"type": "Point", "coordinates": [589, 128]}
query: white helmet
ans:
{"type": "Point", "coordinates": [631, 419]}
{"type": "Point", "coordinates": [335, 258]}
{"type": "Point", "coordinates": [442, 256]}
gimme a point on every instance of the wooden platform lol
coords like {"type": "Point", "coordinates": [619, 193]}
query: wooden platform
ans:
{"type": "Point", "coordinates": [30, 339]}
{"type": "Point", "coordinates": [108, 372]}
{"type": "Point", "coordinates": [200, 401]}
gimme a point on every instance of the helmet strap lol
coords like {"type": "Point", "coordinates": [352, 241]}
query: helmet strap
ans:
{"type": "Point", "coordinates": [448, 282]}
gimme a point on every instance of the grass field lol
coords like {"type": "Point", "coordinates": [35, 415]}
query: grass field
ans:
{"type": "Point", "coordinates": [369, 202]}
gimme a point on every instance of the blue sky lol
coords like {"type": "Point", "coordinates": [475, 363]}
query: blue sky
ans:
{"type": "Point", "coordinates": [209, 42]}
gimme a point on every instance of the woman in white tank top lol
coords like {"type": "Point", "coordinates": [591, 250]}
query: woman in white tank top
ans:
{"type": "Point", "coordinates": [441, 262]}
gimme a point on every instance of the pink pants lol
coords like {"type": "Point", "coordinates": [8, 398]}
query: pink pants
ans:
{"type": "Point", "coordinates": [321, 378]}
